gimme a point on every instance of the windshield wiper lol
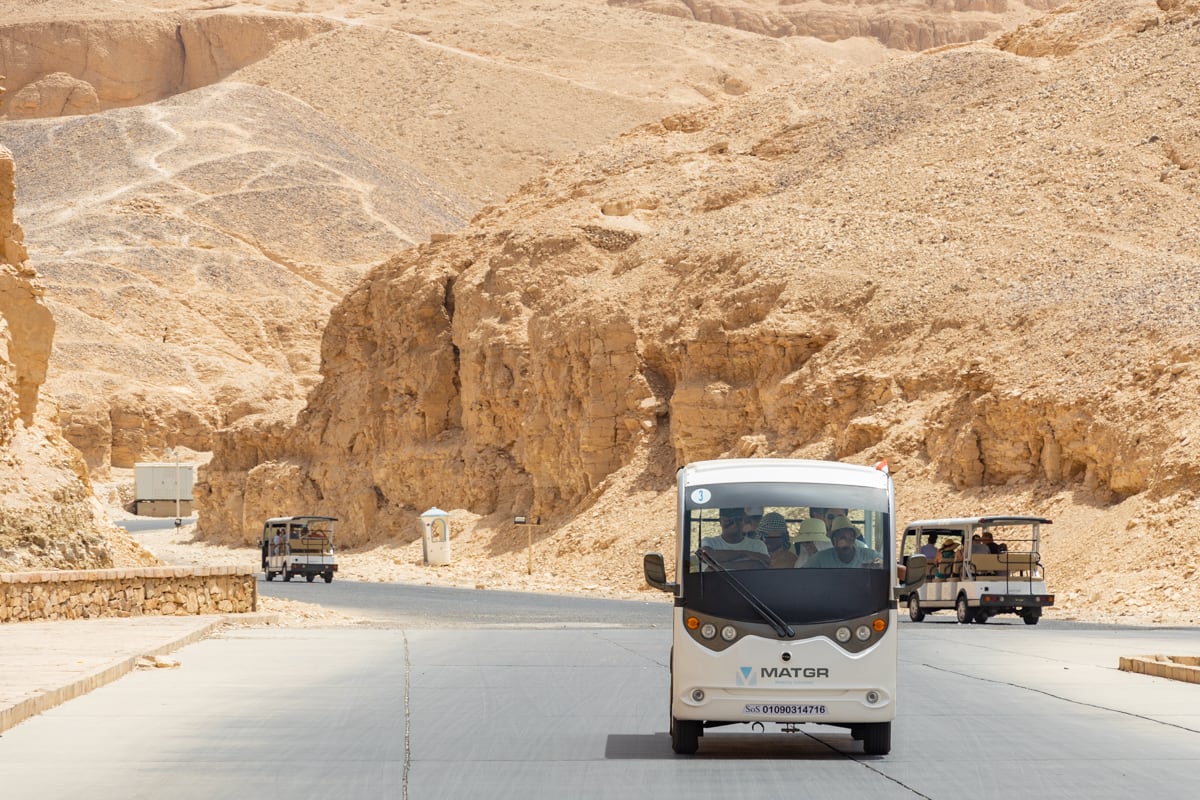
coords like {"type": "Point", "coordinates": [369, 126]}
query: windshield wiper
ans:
{"type": "Point", "coordinates": [781, 628]}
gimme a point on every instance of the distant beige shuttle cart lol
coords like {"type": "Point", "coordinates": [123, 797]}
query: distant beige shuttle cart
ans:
{"type": "Point", "coordinates": [304, 547]}
{"type": "Point", "coordinates": [979, 585]}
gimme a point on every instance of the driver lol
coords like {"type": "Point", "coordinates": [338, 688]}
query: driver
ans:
{"type": "Point", "coordinates": [733, 544]}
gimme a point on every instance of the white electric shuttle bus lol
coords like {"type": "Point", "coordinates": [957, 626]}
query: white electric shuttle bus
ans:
{"type": "Point", "coordinates": [784, 644]}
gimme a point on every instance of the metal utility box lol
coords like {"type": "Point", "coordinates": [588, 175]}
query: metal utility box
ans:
{"type": "Point", "coordinates": [157, 487]}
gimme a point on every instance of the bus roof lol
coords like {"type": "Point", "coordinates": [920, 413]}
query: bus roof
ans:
{"type": "Point", "coordinates": [782, 470]}
{"type": "Point", "coordinates": [962, 522]}
{"type": "Point", "coordinates": [301, 519]}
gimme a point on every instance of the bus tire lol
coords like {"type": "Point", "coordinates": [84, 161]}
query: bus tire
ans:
{"type": "Point", "coordinates": [287, 575]}
{"type": "Point", "coordinates": [328, 577]}
{"type": "Point", "coordinates": [685, 736]}
{"type": "Point", "coordinates": [914, 608]}
{"type": "Point", "coordinates": [1031, 615]}
{"type": "Point", "coordinates": [877, 738]}
{"type": "Point", "coordinates": [309, 577]}
{"type": "Point", "coordinates": [963, 610]}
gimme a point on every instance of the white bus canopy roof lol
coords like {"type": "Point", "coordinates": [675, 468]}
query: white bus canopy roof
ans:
{"type": "Point", "coordinates": [966, 522]}
{"type": "Point", "coordinates": [783, 470]}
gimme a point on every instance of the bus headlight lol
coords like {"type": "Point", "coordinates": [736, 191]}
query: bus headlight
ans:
{"type": "Point", "coordinates": [729, 633]}
{"type": "Point", "coordinates": [862, 632]}
{"type": "Point", "coordinates": [842, 634]}
{"type": "Point", "coordinates": [708, 630]}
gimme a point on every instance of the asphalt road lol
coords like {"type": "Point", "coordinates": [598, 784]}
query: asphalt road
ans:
{"type": "Point", "coordinates": [579, 710]}
{"type": "Point", "coordinates": [411, 605]}
{"type": "Point", "coordinates": [151, 523]}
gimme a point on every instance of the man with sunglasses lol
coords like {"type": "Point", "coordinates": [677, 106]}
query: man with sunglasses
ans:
{"type": "Point", "coordinates": [733, 549]}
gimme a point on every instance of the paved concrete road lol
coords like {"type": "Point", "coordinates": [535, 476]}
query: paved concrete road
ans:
{"type": "Point", "coordinates": [415, 606]}
{"type": "Point", "coordinates": [991, 711]}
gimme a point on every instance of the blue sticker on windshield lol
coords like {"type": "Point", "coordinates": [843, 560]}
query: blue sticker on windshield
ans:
{"type": "Point", "coordinates": [701, 496]}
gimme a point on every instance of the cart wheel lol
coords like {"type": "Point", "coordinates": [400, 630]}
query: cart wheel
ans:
{"type": "Point", "coordinates": [287, 575]}
{"type": "Point", "coordinates": [685, 736]}
{"type": "Point", "coordinates": [914, 608]}
{"type": "Point", "coordinates": [328, 577]}
{"type": "Point", "coordinates": [1031, 615]}
{"type": "Point", "coordinates": [877, 738]}
{"type": "Point", "coordinates": [270, 575]}
{"type": "Point", "coordinates": [963, 611]}
{"type": "Point", "coordinates": [309, 577]}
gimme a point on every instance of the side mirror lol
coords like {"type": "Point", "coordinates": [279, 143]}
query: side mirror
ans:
{"type": "Point", "coordinates": [656, 573]}
{"type": "Point", "coordinates": [918, 567]}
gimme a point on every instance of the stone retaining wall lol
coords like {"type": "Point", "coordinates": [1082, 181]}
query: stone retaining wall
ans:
{"type": "Point", "coordinates": [1176, 668]}
{"type": "Point", "coordinates": [133, 592]}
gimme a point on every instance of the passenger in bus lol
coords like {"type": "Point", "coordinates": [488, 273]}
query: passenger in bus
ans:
{"type": "Point", "coordinates": [948, 558]}
{"type": "Point", "coordinates": [977, 545]}
{"type": "Point", "coordinates": [773, 531]}
{"type": "Point", "coordinates": [751, 517]}
{"type": "Point", "coordinates": [929, 549]}
{"type": "Point", "coordinates": [992, 546]}
{"type": "Point", "coordinates": [847, 550]}
{"type": "Point", "coordinates": [733, 545]}
{"type": "Point", "coordinates": [810, 540]}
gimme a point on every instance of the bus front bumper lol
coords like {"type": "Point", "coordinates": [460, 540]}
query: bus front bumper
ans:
{"type": "Point", "coordinates": [826, 705]}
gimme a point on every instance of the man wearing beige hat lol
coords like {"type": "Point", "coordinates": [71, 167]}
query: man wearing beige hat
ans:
{"type": "Point", "coordinates": [810, 540]}
{"type": "Point", "coordinates": [847, 550]}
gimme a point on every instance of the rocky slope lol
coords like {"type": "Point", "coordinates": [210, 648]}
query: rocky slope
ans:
{"type": "Point", "coordinates": [203, 181]}
{"type": "Point", "coordinates": [49, 516]}
{"type": "Point", "coordinates": [979, 264]}
{"type": "Point", "coordinates": [903, 26]}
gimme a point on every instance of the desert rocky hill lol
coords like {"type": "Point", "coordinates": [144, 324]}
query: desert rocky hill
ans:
{"type": "Point", "coordinates": [979, 263]}
{"type": "Point", "coordinates": [49, 515]}
{"type": "Point", "coordinates": [200, 183]}
{"type": "Point", "coordinates": [904, 26]}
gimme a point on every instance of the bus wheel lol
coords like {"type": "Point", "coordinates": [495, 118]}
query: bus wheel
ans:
{"type": "Point", "coordinates": [877, 738]}
{"type": "Point", "coordinates": [287, 575]}
{"type": "Point", "coordinates": [685, 736]}
{"type": "Point", "coordinates": [914, 608]}
{"type": "Point", "coordinates": [963, 611]}
{"type": "Point", "coordinates": [1031, 615]}
{"type": "Point", "coordinates": [270, 575]}
{"type": "Point", "coordinates": [309, 577]}
{"type": "Point", "coordinates": [328, 577]}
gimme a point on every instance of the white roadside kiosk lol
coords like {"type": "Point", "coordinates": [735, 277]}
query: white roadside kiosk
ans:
{"type": "Point", "coordinates": [435, 537]}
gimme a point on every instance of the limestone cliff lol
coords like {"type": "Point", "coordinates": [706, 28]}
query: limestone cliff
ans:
{"type": "Point", "coordinates": [48, 514]}
{"type": "Point", "coordinates": [976, 264]}
{"type": "Point", "coordinates": [902, 26]}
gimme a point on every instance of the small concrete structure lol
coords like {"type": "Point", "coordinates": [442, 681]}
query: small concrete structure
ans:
{"type": "Point", "coordinates": [163, 489]}
{"type": "Point", "coordinates": [435, 537]}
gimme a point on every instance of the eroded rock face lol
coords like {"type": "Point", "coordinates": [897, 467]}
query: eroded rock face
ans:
{"type": "Point", "coordinates": [191, 278]}
{"type": "Point", "coordinates": [48, 514]}
{"type": "Point", "coordinates": [80, 66]}
{"type": "Point", "coordinates": [916, 263]}
{"type": "Point", "coordinates": [901, 26]}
